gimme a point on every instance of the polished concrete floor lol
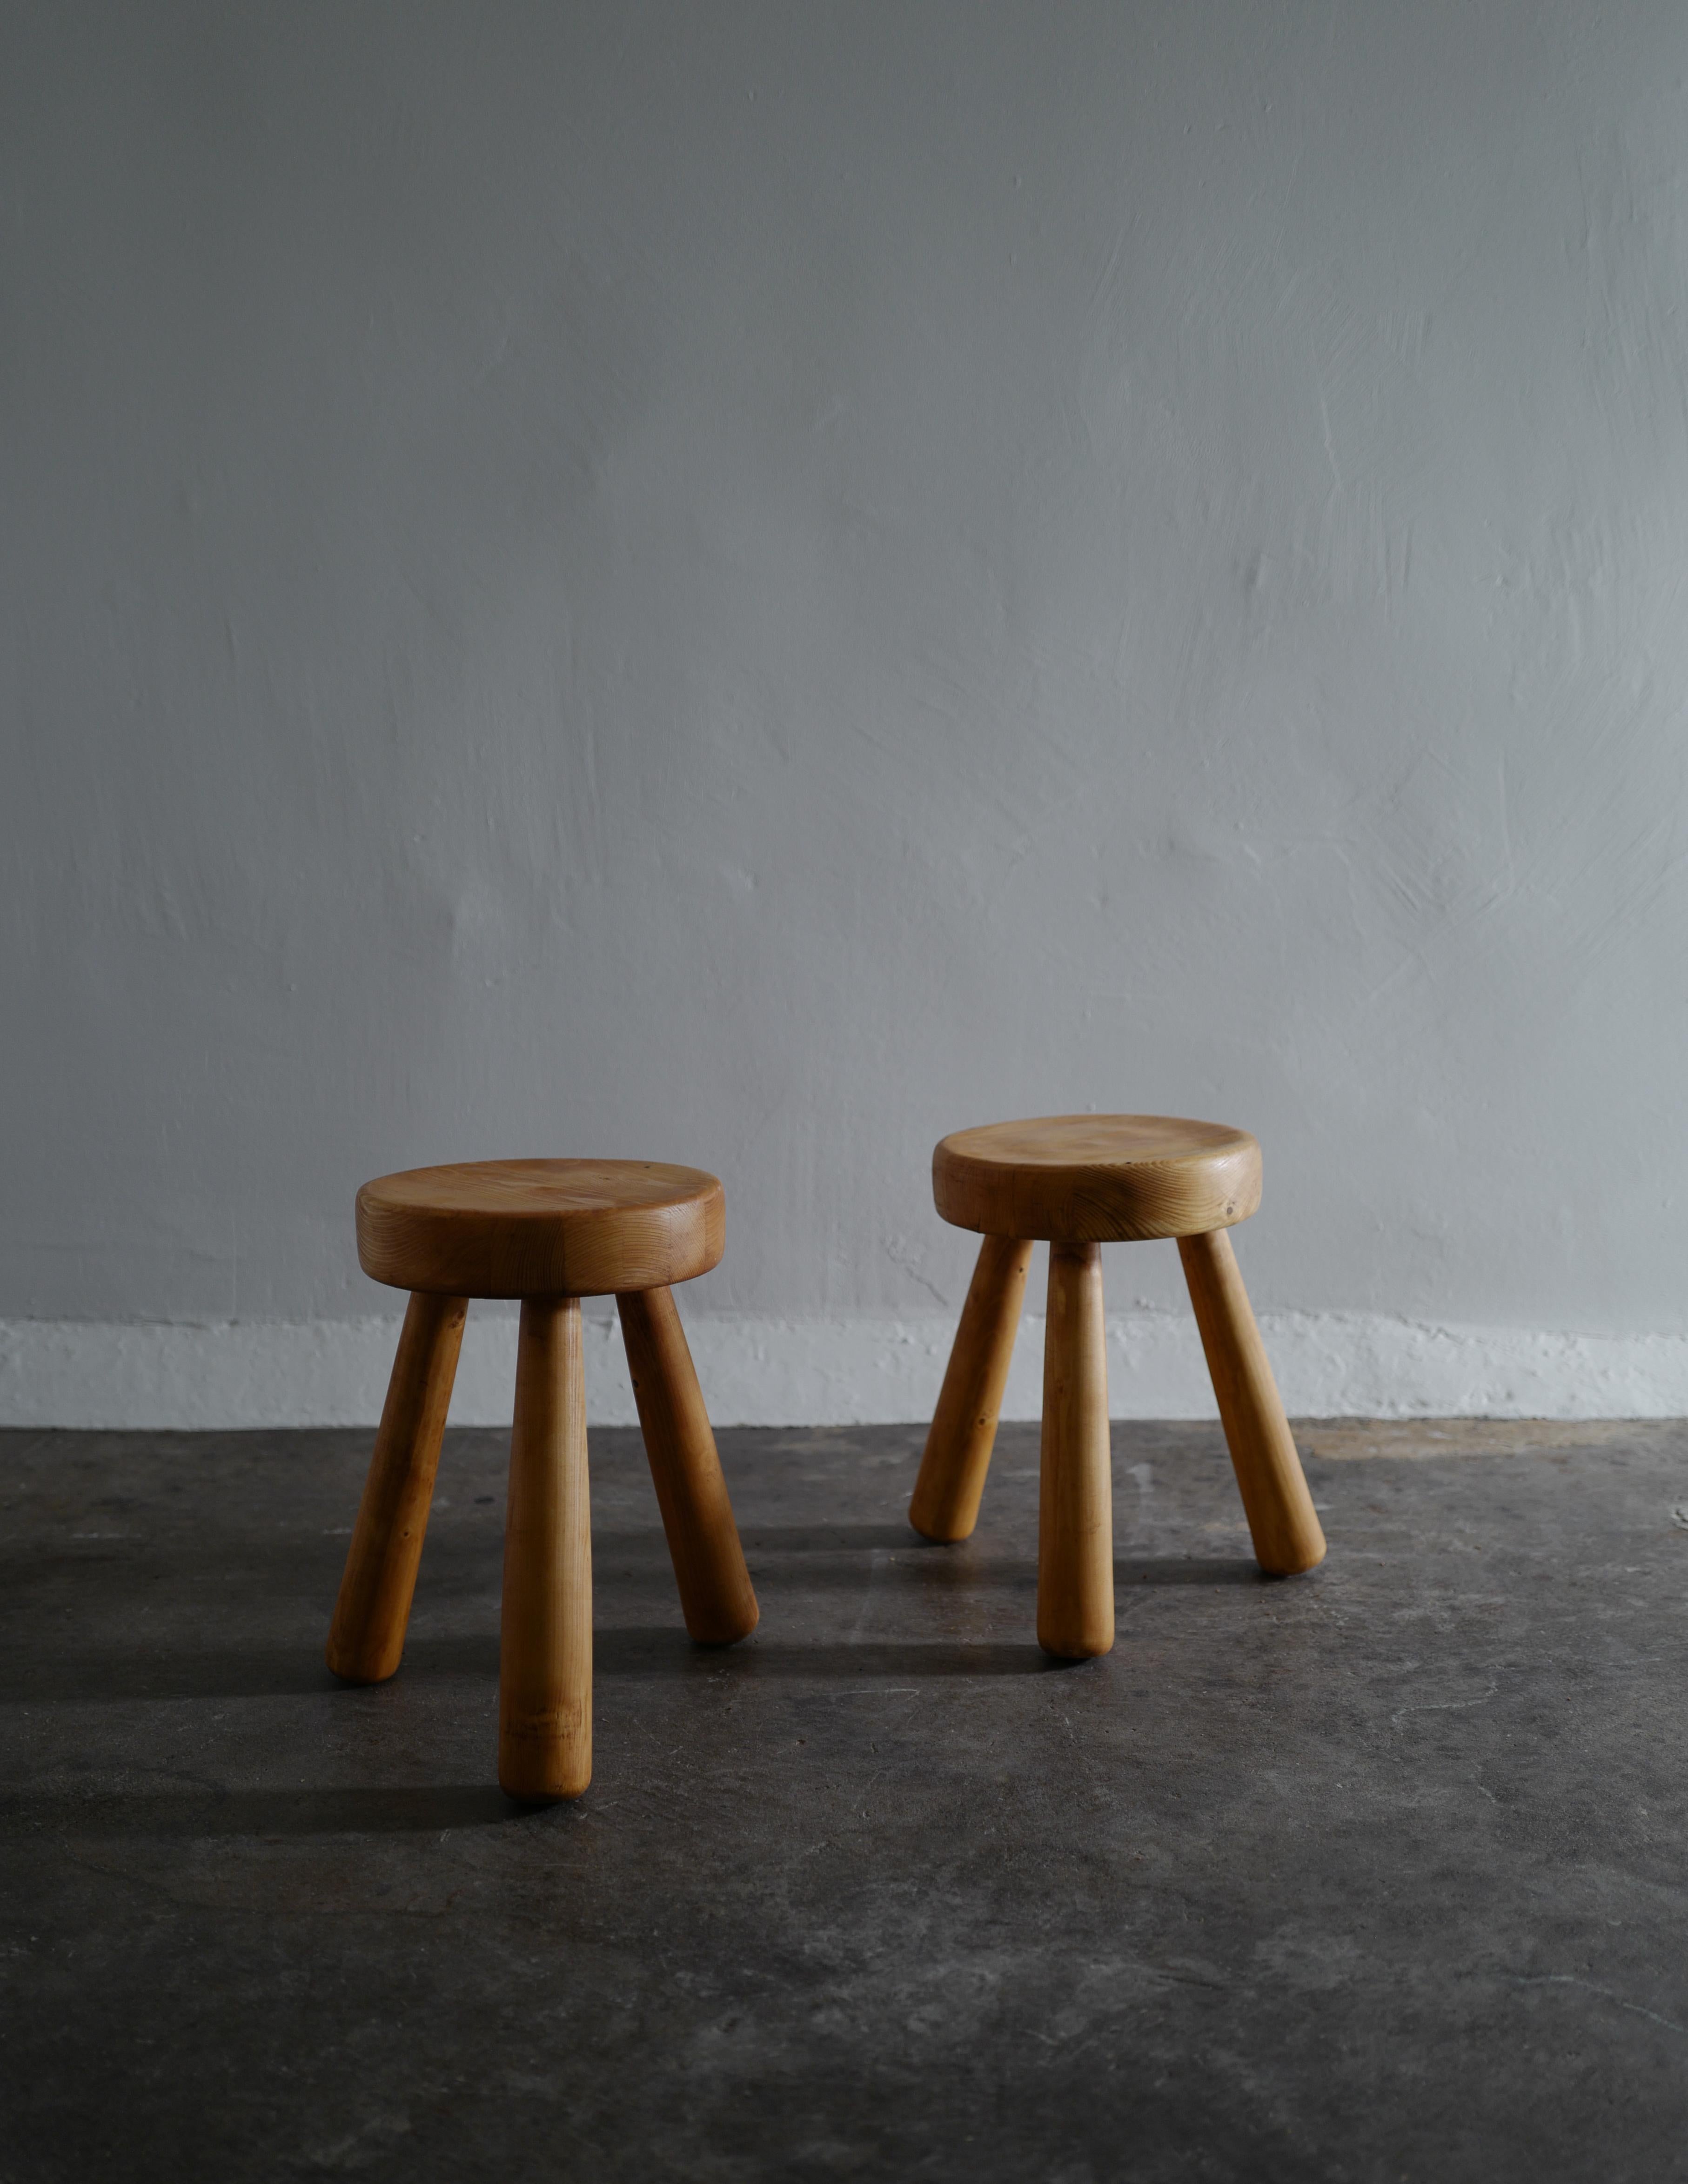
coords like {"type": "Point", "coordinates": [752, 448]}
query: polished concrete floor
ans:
{"type": "Point", "coordinates": [1374, 1875]}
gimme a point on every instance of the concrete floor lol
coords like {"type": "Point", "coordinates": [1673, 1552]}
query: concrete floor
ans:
{"type": "Point", "coordinates": [1374, 1875]}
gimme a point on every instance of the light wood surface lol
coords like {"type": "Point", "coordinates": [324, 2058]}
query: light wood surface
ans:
{"type": "Point", "coordinates": [945, 1505]}
{"type": "Point", "coordinates": [1075, 1507]}
{"type": "Point", "coordinates": [1097, 1179]}
{"type": "Point", "coordinates": [541, 1228]}
{"type": "Point", "coordinates": [1284, 1526]}
{"type": "Point", "coordinates": [366, 1638]}
{"type": "Point", "coordinates": [545, 1651]}
{"type": "Point", "coordinates": [715, 1593]}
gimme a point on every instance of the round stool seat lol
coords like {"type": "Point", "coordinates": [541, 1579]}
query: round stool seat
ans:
{"type": "Point", "coordinates": [1097, 1179]}
{"type": "Point", "coordinates": [541, 1228]}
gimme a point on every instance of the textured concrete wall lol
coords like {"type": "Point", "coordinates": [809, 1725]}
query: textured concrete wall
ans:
{"type": "Point", "coordinates": [751, 584]}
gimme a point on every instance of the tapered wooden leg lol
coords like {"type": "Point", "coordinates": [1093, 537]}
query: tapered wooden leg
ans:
{"type": "Point", "coordinates": [945, 1505]}
{"type": "Point", "coordinates": [545, 1656]}
{"type": "Point", "coordinates": [366, 1637]}
{"type": "Point", "coordinates": [1075, 1509]}
{"type": "Point", "coordinates": [716, 1594]}
{"type": "Point", "coordinates": [1286, 1531]}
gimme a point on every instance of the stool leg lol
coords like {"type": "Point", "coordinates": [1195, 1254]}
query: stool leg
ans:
{"type": "Point", "coordinates": [1075, 1510]}
{"type": "Point", "coordinates": [945, 1505]}
{"type": "Point", "coordinates": [367, 1634]}
{"type": "Point", "coordinates": [545, 1656]}
{"type": "Point", "coordinates": [714, 1586]}
{"type": "Point", "coordinates": [1286, 1532]}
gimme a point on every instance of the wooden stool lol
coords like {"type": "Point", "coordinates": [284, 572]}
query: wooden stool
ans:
{"type": "Point", "coordinates": [1082, 1181]}
{"type": "Point", "coordinates": [550, 1233]}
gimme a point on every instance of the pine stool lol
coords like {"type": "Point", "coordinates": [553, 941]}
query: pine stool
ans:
{"type": "Point", "coordinates": [548, 1232]}
{"type": "Point", "coordinates": [1082, 1181]}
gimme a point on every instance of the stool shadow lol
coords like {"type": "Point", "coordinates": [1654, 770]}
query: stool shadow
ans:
{"type": "Point", "coordinates": [661, 1651]}
{"type": "Point", "coordinates": [197, 1815]}
{"type": "Point", "coordinates": [91, 1679]}
{"type": "Point", "coordinates": [963, 1567]}
{"type": "Point", "coordinates": [103, 1679]}
{"type": "Point", "coordinates": [640, 1650]}
{"type": "Point", "coordinates": [771, 1540]}
{"type": "Point", "coordinates": [1194, 1569]}
{"type": "Point", "coordinates": [830, 1539]}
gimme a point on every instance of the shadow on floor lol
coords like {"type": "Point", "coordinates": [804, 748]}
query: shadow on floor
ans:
{"type": "Point", "coordinates": [659, 1650]}
{"type": "Point", "coordinates": [91, 1679]}
{"type": "Point", "coordinates": [200, 1814]}
{"type": "Point", "coordinates": [656, 1650]}
{"type": "Point", "coordinates": [834, 1538]}
{"type": "Point", "coordinates": [1212, 1569]}
{"type": "Point", "coordinates": [966, 1566]}
{"type": "Point", "coordinates": [99, 1678]}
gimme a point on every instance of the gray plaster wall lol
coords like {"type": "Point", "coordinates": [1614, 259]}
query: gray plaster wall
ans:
{"type": "Point", "coordinates": [751, 584]}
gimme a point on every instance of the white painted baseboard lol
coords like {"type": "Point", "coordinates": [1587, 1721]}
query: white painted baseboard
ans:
{"type": "Point", "coordinates": [823, 1371]}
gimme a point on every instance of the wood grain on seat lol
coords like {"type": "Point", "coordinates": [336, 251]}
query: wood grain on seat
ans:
{"type": "Point", "coordinates": [1097, 1179]}
{"type": "Point", "coordinates": [541, 1228]}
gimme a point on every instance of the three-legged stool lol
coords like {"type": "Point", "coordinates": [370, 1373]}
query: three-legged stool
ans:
{"type": "Point", "coordinates": [550, 1233]}
{"type": "Point", "coordinates": [1082, 1181]}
